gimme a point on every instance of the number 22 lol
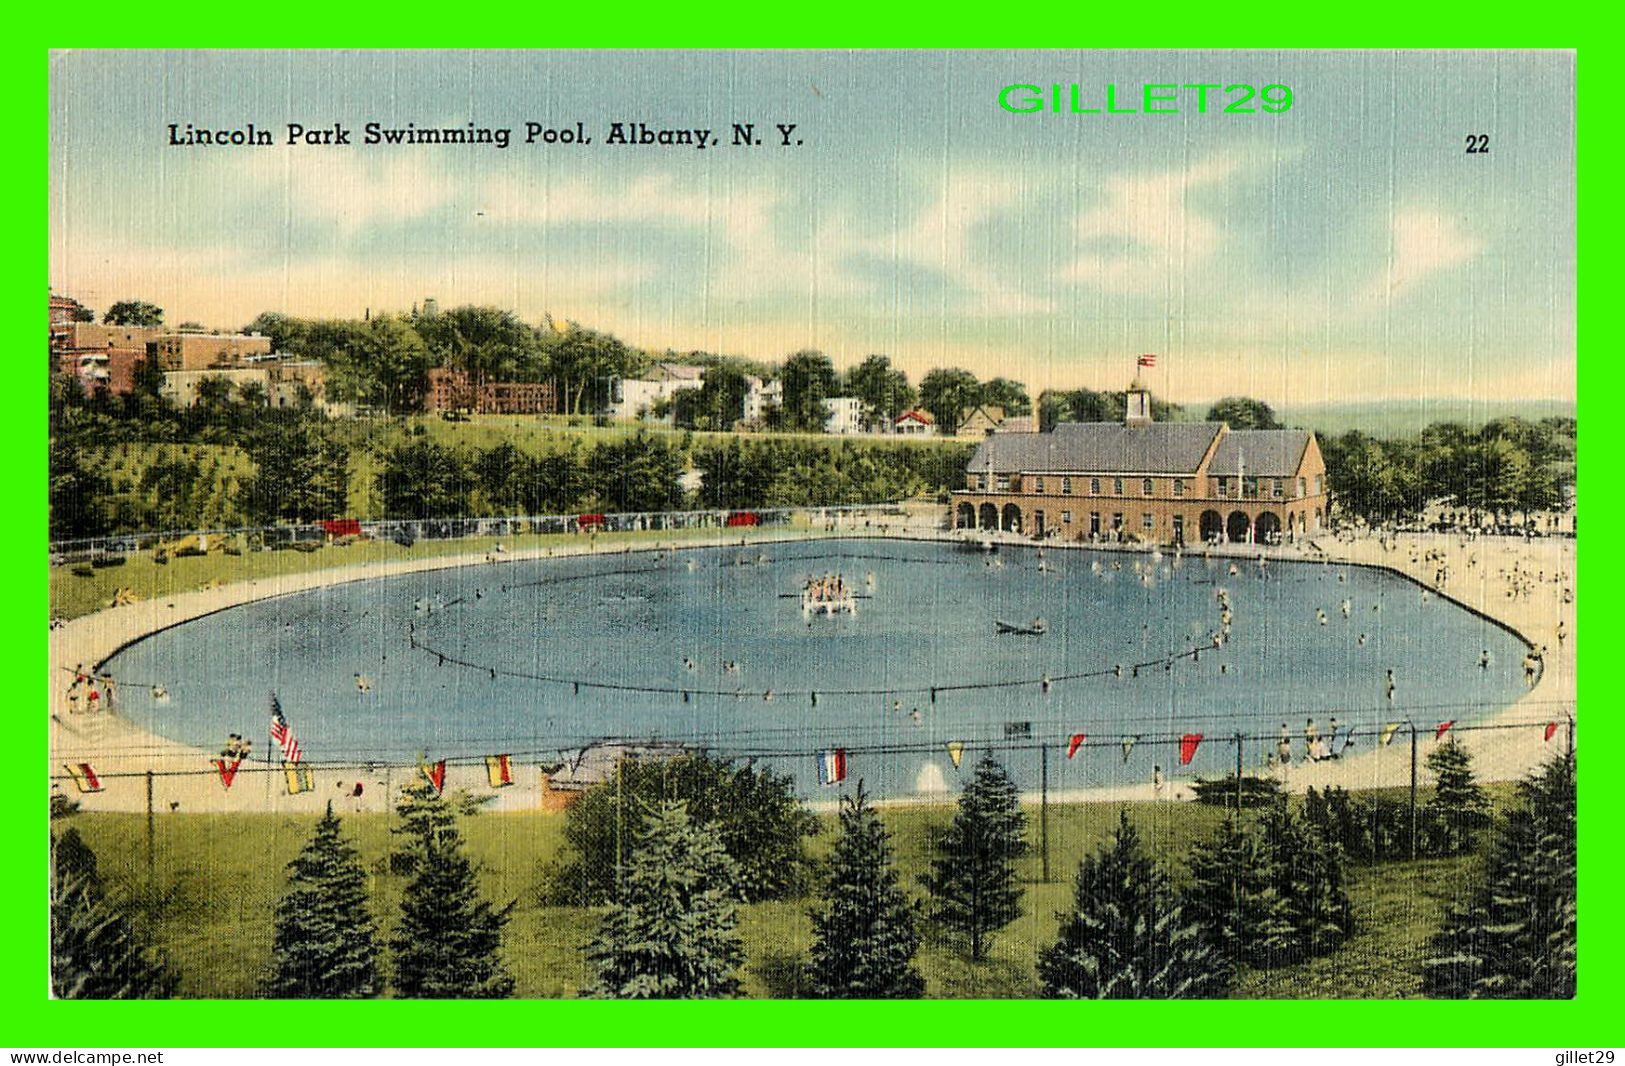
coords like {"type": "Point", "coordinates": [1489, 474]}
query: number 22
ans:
{"type": "Point", "coordinates": [1478, 143]}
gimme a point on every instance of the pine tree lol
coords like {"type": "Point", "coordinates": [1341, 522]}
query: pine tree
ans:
{"type": "Point", "coordinates": [973, 881]}
{"type": "Point", "coordinates": [1458, 809]}
{"type": "Point", "coordinates": [95, 951]}
{"type": "Point", "coordinates": [1308, 876]}
{"type": "Point", "coordinates": [864, 938]}
{"type": "Point", "coordinates": [1127, 937]}
{"type": "Point", "coordinates": [426, 820]}
{"type": "Point", "coordinates": [755, 813]}
{"type": "Point", "coordinates": [1233, 896]}
{"type": "Point", "coordinates": [325, 945]}
{"type": "Point", "coordinates": [1516, 938]}
{"type": "Point", "coordinates": [449, 941]}
{"type": "Point", "coordinates": [671, 935]}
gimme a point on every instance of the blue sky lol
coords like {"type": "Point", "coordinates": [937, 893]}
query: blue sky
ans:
{"type": "Point", "coordinates": [1348, 249]}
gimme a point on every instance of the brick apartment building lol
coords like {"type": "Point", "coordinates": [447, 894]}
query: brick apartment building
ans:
{"type": "Point", "coordinates": [99, 356]}
{"type": "Point", "coordinates": [201, 351]}
{"type": "Point", "coordinates": [452, 390]}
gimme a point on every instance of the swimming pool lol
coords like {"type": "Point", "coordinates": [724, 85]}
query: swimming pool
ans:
{"type": "Point", "coordinates": [711, 647]}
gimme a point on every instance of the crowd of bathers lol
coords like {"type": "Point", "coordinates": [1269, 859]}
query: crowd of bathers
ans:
{"type": "Point", "coordinates": [831, 588]}
{"type": "Point", "coordinates": [89, 692]}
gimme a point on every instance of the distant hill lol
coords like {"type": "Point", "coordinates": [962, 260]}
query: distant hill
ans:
{"type": "Point", "coordinates": [1407, 418]}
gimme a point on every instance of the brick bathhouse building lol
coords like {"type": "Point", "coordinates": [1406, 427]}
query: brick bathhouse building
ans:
{"type": "Point", "coordinates": [1154, 482]}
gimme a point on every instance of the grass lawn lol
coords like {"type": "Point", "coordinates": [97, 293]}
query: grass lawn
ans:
{"type": "Point", "coordinates": [219, 878]}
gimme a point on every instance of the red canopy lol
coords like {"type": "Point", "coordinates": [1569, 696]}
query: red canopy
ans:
{"type": "Point", "coordinates": [590, 520]}
{"type": "Point", "coordinates": [343, 527]}
{"type": "Point", "coordinates": [744, 518]}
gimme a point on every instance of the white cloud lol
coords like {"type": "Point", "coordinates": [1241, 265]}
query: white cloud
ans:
{"type": "Point", "coordinates": [1152, 217]}
{"type": "Point", "coordinates": [1425, 243]}
{"type": "Point", "coordinates": [343, 190]}
{"type": "Point", "coordinates": [940, 239]}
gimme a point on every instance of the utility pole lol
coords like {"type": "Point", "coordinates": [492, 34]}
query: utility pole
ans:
{"type": "Point", "coordinates": [1413, 789]}
{"type": "Point", "coordinates": [620, 814]}
{"type": "Point", "coordinates": [152, 845]}
{"type": "Point", "coordinates": [1043, 805]}
{"type": "Point", "coordinates": [1238, 776]}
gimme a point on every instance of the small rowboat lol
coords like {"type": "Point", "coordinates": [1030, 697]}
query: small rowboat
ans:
{"type": "Point", "coordinates": [1035, 628]}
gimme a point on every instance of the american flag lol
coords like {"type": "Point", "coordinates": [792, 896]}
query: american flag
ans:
{"type": "Point", "coordinates": [1148, 360]}
{"type": "Point", "coordinates": [282, 732]}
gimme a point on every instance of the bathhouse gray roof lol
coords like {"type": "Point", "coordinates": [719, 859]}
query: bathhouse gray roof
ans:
{"type": "Point", "coordinates": [1100, 447]}
{"type": "Point", "coordinates": [1267, 452]}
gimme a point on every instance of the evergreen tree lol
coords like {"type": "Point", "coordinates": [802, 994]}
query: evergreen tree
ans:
{"type": "Point", "coordinates": [95, 951]}
{"type": "Point", "coordinates": [1458, 809]}
{"type": "Point", "coordinates": [754, 812]}
{"type": "Point", "coordinates": [864, 938]}
{"type": "Point", "coordinates": [1516, 938]}
{"type": "Point", "coordinates": [449, 941]}
{"type": "Point", "coordinates": [427, 818]}
{"type": "Point", "coordinates": [973, 881]}
{"type": "Point", "coordinates": [1233, 896]}
{"type": "Point", "coordinates": [325, 945]}
{"type": "Point", "coordinates": [1127, 937]}
{"type": "Point", "coordinates": [671, 934]}
{"type": "Point", "coordinates": [1308, 876]}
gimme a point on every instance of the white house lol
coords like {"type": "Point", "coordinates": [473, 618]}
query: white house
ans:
{"type": "Point", "coordinates": [761, 395]}
{"type": "Point", "coordinates": [844, 415]}
{"type": "Point", "coordinates": [914, 424]}
{"type": "Point", "coordinates": [635, 397]}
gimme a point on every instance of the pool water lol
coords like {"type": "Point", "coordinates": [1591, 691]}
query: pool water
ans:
{"type": "Point", "coordinates": [710, 647]}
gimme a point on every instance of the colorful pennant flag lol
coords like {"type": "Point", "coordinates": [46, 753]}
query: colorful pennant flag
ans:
{"type": "Point", "coordinates": [956, 752]}
{"type": "Point", "coordinates": [500, 769]}
{"type": "Point", "coordinates": [282, 732]}
{"type": "Point", "coordinates": [228, 770]}
{"type": "Point", "coordinates": [1187, 747]}
{"type": "Point", "coordinates": [300, 779]}
{"type": "Point", "coordinates": [1443, 727]}
{"type": "Point", "coordinates": [435, 774]}
{"type": "Point", "coordinates": [1074, 744]}
{"type": "Point", "coordinates": [1551, 727]}
{"type": "Point", "coordinates": [1128, 746]}
{"type": "Point", "coordinates": [84, 778]}
{"type": "Point", "coordinates": [832, 766]}
{"type": "Point", "coordinates": [1387, 734]}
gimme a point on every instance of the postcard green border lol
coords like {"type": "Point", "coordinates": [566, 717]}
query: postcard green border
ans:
{"type": "Point", "coordinates": [31, 1020]}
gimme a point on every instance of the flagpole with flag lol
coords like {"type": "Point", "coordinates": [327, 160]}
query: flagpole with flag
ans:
{"type": "Point", "coordinates": [300, 779]}
{"type": "Point", "coordinates": [1147, 361]}
{"type": "Point", "coordinates": [282, 733]}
